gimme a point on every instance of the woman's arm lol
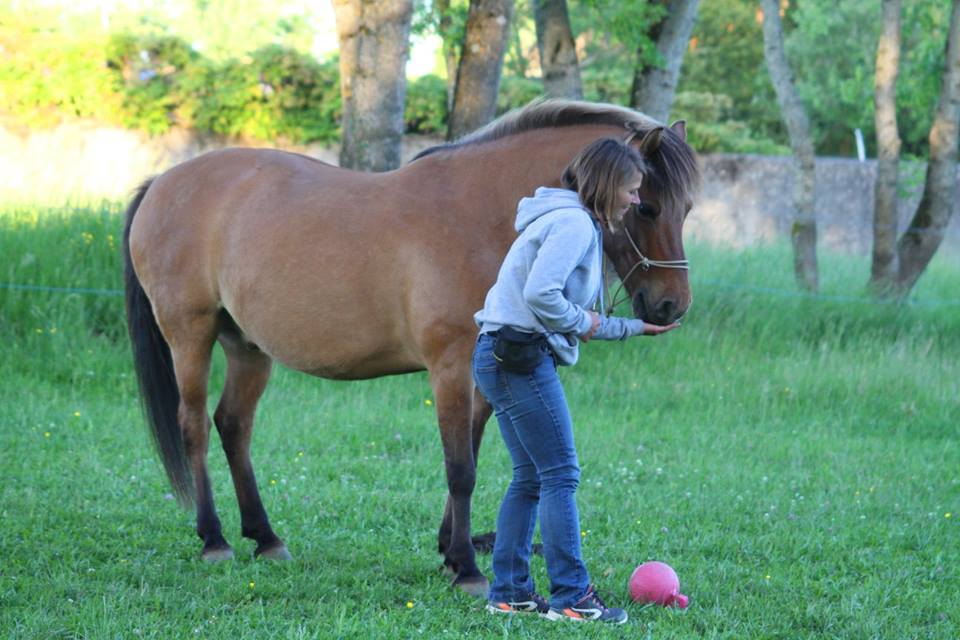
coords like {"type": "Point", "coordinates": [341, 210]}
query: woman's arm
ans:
{"type": "Point", "coordinates": [563, 248]}
{"type": "Point", "coordinates": [613, 328]}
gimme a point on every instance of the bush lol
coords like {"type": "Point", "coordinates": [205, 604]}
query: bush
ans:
{"type": "Point", "coordinates": [47, 75]}
{"type": "Point", "coordinates": [272, 92]}
{"type": "Point", "coordinates": [148, 73]}
{"type": "Point", "coordinates": [516, 92]}
{"type": "Point", "coordinates": [607, 83]}
{"type": "Point", "coordinates": [155, 82]}
{"type": "Point", "coordinates": [426, 107]}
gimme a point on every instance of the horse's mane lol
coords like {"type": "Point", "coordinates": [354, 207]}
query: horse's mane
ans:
{"type": "Point", "coordinates": [676, 174]}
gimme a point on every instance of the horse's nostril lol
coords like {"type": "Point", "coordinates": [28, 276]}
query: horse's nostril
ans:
{"type": "Point", "coordinates": [666, 310]}
{"type": "Point", "coordinates": [640, 306]}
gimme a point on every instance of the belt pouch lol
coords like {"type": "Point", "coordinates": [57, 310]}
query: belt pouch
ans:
{"type": "Point", "coordinates": [518, 351]}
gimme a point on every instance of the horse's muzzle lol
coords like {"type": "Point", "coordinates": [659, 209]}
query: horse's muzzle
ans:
{"type": "Point", "coordinates": [662, 311]}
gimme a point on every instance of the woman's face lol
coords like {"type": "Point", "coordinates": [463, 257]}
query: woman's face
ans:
{"type": "Point", "coordinates": [628, 193]}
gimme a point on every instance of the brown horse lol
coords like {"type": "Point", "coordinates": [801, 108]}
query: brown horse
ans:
{"type": "Point", "coordinates": [347, 275]}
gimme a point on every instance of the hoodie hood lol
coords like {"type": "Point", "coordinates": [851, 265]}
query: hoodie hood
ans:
{"type": "Point", "coordinates": [545, 200]}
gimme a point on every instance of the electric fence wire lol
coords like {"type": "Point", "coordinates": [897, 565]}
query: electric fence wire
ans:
{"type": "Point", "coordinates": [746, 288]}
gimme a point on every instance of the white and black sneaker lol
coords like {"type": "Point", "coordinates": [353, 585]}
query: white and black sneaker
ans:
{"type": "Point", "coordinates": [533, 603]}
{"type": "Point", "coordinates": [590, 608]}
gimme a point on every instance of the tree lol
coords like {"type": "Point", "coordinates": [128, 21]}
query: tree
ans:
{"type": "Point", "coordinates": [884, 265]}
{"type": "Point", "coordinates": [481, 62]}
{"type": "Point", "coordinates": [558, 54]}
{"type": "Point", "coordinates": [655, 85]}
{"type": "Point", "coordinates": [804, 230]}
{"type": "Point", "coordinates": [445, 26]}
{"type": "Point", "coordinates": [374, 41]}
{"type": "Point", "coordinates": [925, 232]}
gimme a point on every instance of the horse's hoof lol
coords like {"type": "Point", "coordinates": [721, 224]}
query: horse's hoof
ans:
{"type": "Point", "coordinates": [276, 552]}
{"type": "Point", "coordinates": [217, 554]}
{"type": "Point", "coordinates": [476, 586]}
{"type": "Point", "coordinates": [447, 570]}
{"type": "Point", "coordinates": [483, 543]}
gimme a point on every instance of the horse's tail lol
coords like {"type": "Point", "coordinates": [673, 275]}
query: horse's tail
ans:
{"type": "Point", "coordinates": [154, 365]}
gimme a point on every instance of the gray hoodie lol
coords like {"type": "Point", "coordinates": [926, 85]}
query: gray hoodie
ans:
{"type": "Point", "coordinates": [552, 275]}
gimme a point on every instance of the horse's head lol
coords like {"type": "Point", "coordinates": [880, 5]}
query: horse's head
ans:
{"type": "Point", "coordinates": [646, 246]}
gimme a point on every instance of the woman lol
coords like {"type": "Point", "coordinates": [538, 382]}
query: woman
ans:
{"type": "Point", "coordinates": [538, 308]}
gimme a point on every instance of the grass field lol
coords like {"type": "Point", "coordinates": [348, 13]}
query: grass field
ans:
{"type": "Point", "coordinates": [796, 459]}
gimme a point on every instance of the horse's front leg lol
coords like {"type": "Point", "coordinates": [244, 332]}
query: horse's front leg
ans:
{"type": "Point", "coordinates": [453, 389]}
{"type": "Point", "coordinates": [482, 543]}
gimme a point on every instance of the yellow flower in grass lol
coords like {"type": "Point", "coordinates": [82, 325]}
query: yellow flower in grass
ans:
{"type": "Point", "coordinates": [252, 584]}
{"type": "Point", "coordinates": [428, 402]}
{"type": "Point", "coordinates": [409, 605]}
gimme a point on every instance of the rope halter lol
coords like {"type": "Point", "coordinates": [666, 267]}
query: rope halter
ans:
{"type": "Point", "coordinates": [645, 263]}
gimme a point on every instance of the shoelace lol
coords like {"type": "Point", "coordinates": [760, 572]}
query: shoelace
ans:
{"type": "Point", "coordinates": [594, 600]}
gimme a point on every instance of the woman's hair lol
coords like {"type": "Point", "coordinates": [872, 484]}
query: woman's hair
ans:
{"type": "Point", "coordinates": [598, 171]}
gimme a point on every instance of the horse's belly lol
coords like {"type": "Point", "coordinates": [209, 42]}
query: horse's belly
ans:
{"type": "Point", "coordinates": [369, 366]}
{"type": "Point", "coordinates": [365, 372]}
{"type": "Point", "coordinates": [351, 355]}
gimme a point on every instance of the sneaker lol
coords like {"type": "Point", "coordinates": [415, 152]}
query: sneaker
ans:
{"type": "Point", "coordinates": [534, 603]}
{"type": "Point", "coordinates": [590, 607]}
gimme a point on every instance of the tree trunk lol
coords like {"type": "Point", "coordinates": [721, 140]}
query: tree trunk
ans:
{"type": "Point", "coordinates": [925, 232]}
{"type": "Point", "coordinates": [654, 87]}
{"type": "Point", "coordinates": [804, 231]}
{"type": "Point", "coordinates": [442, 7]}
{"type": "Point", "coordinates": [884, 265]}
{"type": "Point", "coordinates": [481, 61]}
{"type": "Point", "coordinates": [374, 44]}
{"type": "Point", "coordinates": [558, 54]}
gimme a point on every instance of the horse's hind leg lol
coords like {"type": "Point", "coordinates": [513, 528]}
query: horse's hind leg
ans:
{"type": "Point", "coordinates": [247, 374]}
{"type": "Point", "coordinates": [191, 339]}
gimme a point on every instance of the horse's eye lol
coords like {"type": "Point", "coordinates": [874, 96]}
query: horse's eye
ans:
{"type": "Point", "coordinates": [646, 210]}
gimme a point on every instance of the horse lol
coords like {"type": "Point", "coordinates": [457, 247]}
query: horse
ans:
{"type": "Point", "coordinates": [279, 257]}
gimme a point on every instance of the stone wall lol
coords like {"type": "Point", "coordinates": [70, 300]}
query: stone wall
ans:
{"type": "Point", "coordinates": [747, 199]}
{"type": "Point", "coordinates": [744, 200]}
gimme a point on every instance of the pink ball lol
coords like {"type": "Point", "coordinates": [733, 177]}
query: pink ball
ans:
{"type": "Point", "coordinates": [656, 582]}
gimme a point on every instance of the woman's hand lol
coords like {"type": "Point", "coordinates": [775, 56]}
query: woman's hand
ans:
{"type": "Point", "coordinates": [656, 329]}
{"type": "Point", "coordinates": [594, 325]}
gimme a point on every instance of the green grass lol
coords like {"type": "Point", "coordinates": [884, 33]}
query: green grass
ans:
{"type": "Point", "coordinates": [795, 459]}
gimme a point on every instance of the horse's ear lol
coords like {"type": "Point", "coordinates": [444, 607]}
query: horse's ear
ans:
{"type": "Point", "coordinates": [680, 128]}
{"type": "Point", "coordinates": [650, 141]}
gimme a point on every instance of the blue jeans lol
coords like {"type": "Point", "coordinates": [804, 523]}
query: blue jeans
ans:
{"type": "Point", "coordinates": [536, 427]}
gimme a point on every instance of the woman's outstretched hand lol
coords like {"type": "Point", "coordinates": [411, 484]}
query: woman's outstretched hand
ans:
{"type": "Point", "coordinates": [657, 329]}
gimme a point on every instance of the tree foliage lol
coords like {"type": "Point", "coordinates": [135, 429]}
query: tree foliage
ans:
{"type": "Point", "coordinates": [725, 67]}
{"type": "Point", "coordinates": [834, 46]}
{"type": "Point", "coordinates": [55, 65]}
